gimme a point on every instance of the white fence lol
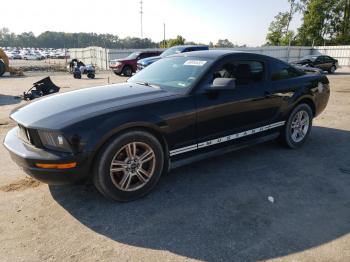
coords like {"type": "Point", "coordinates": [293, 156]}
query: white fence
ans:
{"type": "Point", "coordinates": [100, 57]}
{"type": "Point", "coordinates": [94, 55]}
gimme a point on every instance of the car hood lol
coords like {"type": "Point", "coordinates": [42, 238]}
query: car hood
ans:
{"type": "Point", "coordinates": [60, 110]}
{"type": "Point", "coordinates": [122, 60]}
{"type": "Point", "coordinates": [149, 60]}
{"type": "Point", "coordinates": [302, 61]}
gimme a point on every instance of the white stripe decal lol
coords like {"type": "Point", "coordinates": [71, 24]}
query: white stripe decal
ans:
{"type": "Point", "coordinates": [225, 138]}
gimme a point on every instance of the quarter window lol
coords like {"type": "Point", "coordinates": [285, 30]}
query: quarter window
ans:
{"type": "Point", "coordinates": [281, 71]}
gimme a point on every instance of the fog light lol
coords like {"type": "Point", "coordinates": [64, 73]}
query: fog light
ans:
{"type": "Point", "coordinates": [57, 166]}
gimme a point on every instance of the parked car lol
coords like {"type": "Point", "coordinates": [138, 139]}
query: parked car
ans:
{"type": "Point", "coordinates": [183, 108]}
{"type": "Point", "coordinates": [142, 63]}
{"type": "Point", "coordinates": [126, 66]}
{"type": "Point", "coordinates": [15, 55]}
{"type": "Point", "coordinates": [32, 57]}
{"type": "Point", "coordinates": [323, 62]}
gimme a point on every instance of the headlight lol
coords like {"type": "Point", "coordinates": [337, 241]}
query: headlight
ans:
{"type": "Point", "coordinates": [54, 141]}
{"type": "Point", "coordinates": [115, 63]}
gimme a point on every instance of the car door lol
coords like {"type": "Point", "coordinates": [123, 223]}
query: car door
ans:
{"type": "Point", "coordinates": [320, 63]}
{"type": "Point", "coordinates": [329, 62]}
{"type": "Point", "coordinates": [248, 105]}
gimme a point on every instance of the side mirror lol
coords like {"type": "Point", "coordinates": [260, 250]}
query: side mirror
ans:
{"type": "Point", "coordinates": [223, 84]}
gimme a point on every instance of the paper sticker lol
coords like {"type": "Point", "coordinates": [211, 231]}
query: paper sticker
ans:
{"type": "Point", "coordinates": [195, 62]}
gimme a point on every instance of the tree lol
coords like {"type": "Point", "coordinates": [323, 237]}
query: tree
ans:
{"type": "Point", "coordinates": [224, 43]}
{"type": "Point", "coordinates": [277, 29]}
{"type": "Point", "coordinates": [279, 33]}
{"type": "Point", "coordinates": [325, 21]}
{"type": "Point", "coordinates": [343, 37]}
{"type": "Point", "coordinates": [50, 39]}
{"type": "Point", "coordinates": [179, 40]}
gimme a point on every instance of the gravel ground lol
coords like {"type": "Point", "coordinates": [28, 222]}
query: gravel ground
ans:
{"type": "Point", "coordinates": [214, 210]}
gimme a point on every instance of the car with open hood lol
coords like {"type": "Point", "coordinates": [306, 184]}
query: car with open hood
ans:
{"type": "Point", "coordinates": [322, 62]}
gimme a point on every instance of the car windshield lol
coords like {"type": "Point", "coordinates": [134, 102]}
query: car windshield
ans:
{"type": "Point", "coordinates": [174, 74]}
{"type": "Point", "coordinates": [172, 51]}
{"type": "Point", "coordinates": [133, 55]}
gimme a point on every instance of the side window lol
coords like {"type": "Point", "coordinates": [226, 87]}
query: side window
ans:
{"type": "Point", "coordinates": [320, 59]}
{"type": "Point", "coordinates": [328, 59]}
{"type": "Point", "coordinates": [281, 71]}
{"type": "Point", "coordinates": [244, 72]}
{"type": "Point", "coordinates": [143, 55]}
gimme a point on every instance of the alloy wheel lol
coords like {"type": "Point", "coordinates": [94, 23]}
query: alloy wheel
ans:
{"type": "Point", "coordinates": [132, 166]}
{"type": "Point", "coordinates": [300, 125]}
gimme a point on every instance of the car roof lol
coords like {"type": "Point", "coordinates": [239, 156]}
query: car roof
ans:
{"type": "Point", "coordinates": [149, 51]}
{"type": "Point", "coordinates": [215, 54]}
{"type": "Point", "coordinates": [185, 46]}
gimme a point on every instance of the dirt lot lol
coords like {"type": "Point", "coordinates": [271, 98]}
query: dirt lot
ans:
{"type": "Point", "coordinates": [214, 210]}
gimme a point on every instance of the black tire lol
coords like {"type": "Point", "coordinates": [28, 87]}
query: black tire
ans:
{"type": "Point", "coordinates": [332, 69]}
{"type": "Point", "coordinates": [2, 68]}
{"type": "Point", "coordinates": [127, 71]}
{"type": "Point", "coordinates": [118, 74]}
{"type": "Point", "coordinates": [91, 75]}
{"type": "Point", "coordinates": [286, 135]}
{"type": "Point", "coordinates": [102, 177]}
{"type": "Point", "coordinates": [77, 76]}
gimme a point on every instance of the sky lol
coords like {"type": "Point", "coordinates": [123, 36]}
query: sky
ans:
{"type": "Point", "coordinates": [240, 21]}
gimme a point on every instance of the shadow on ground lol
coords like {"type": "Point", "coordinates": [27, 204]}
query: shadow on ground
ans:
{"type": "Point", "coordinates": [9, 100]}
{"type": "Point", "coordinates": [218, 209]}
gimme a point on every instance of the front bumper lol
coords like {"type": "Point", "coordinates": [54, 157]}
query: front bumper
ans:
{"type": "Point", "coordinates": [26, 156]}
{"type": "Point", "coordinates": [117, 69]}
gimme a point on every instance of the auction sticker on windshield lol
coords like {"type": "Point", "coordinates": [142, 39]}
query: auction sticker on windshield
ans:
{"type": "Point", "coordinates": [195, 62]}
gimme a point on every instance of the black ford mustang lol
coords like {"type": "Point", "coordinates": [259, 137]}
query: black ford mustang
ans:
{"type": "Point", "coordinates": [179, 109]}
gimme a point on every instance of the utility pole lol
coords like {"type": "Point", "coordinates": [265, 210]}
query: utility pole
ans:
{"type": "Point", "coordinates": [164, 32]}
{"type": "Point", "coordinates": [141, 13]}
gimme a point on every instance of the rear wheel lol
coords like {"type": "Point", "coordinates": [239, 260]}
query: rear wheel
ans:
{"type": "Point", "coordinates": [91, 75]}
{"type": "Point", "coordinates": [129, 167]}
{"type": "Point", "coordinates": [127, 71]}
{"type": "Point", "coordinates": [298, 126]}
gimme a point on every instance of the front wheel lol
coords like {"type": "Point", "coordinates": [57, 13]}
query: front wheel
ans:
{"type": "Point", "coordinates": [298, 127]}
{"type": "Point", "coordinates": [332, 69]}
{"type": "Point", "coordinates": [127, 71]}
{"type": "Point", "coordinates": [129, 167]}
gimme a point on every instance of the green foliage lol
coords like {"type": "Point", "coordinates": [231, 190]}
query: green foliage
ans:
{"type": "Point", "coordinates": [279, 33]}
{"type": "Point", "coordinates": [324, 22]}
{"type": "Point", "coordinates": [179, 40]}
{"type": "Point", "coordinates": [277, 30]}
{"type": "Point", "coordinates": [224, 43]}
{"type": "Point", "coordinates": [320, 22]}
{"type": "Point", "coordinates": [70, 40]}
